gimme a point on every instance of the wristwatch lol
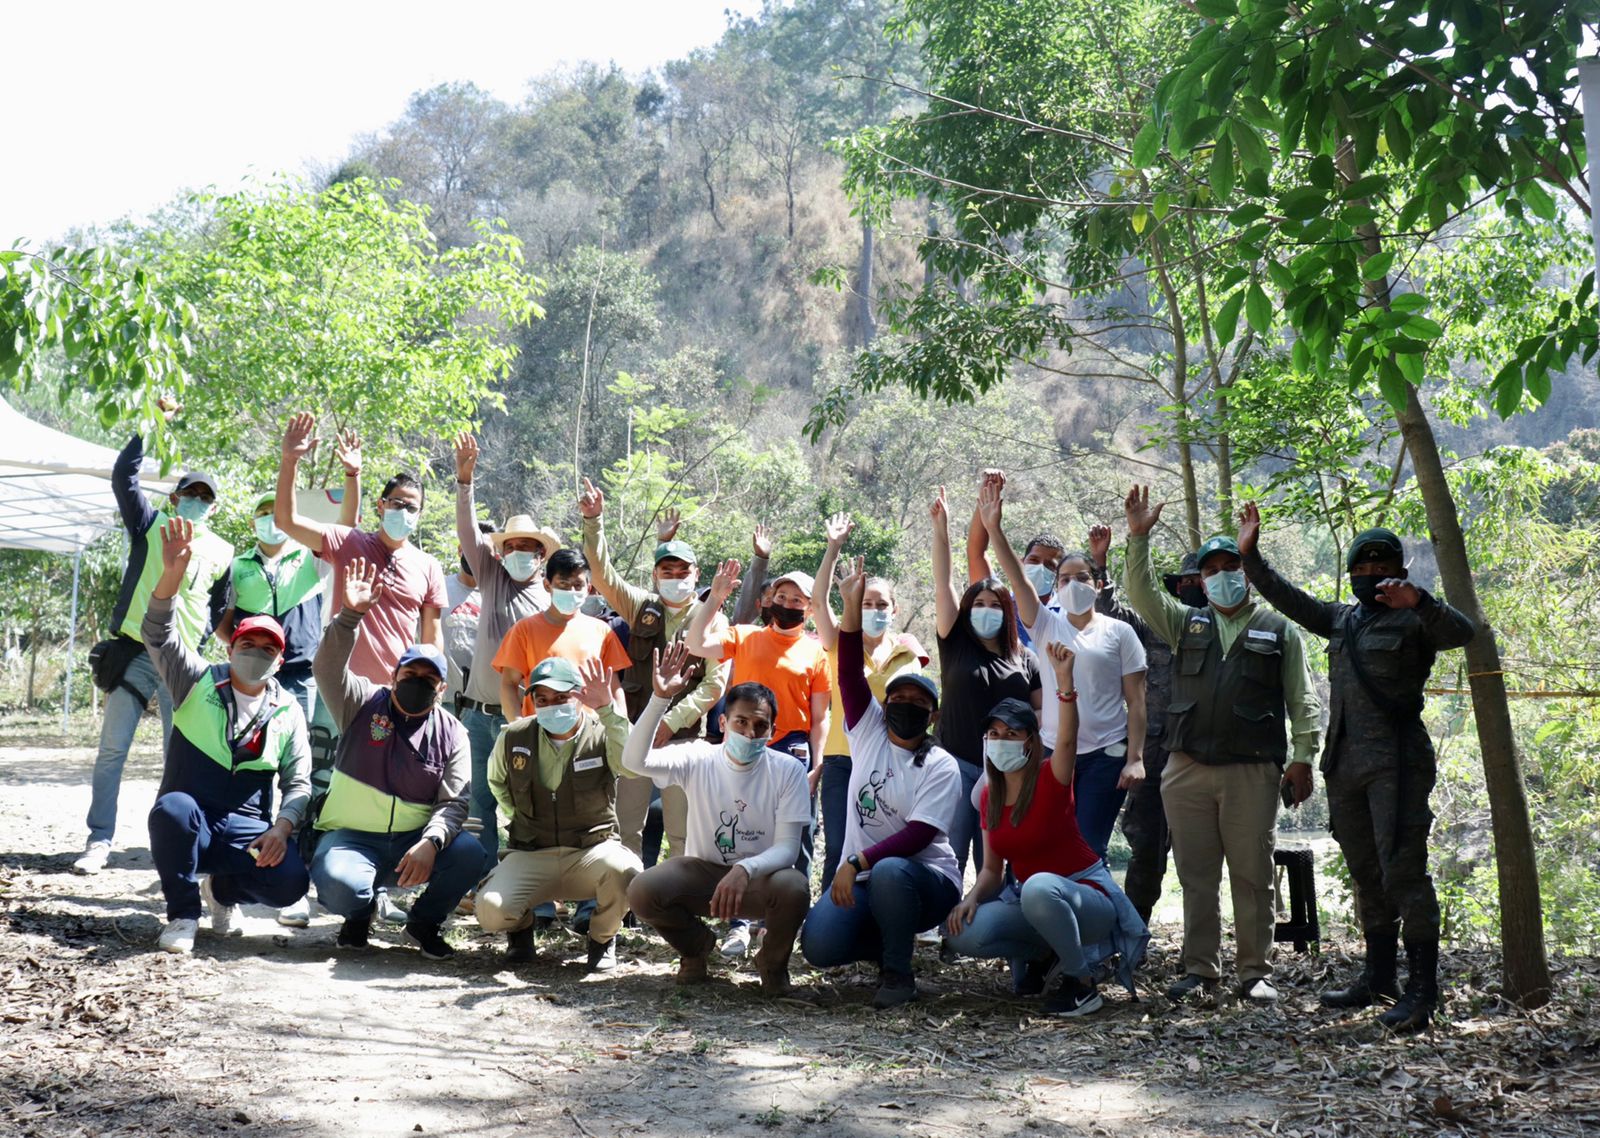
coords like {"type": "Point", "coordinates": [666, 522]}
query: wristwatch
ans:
{"type": "Point", "coordinates": [438, 842]}
{"type": "Point", "coordinates": [854, 861]}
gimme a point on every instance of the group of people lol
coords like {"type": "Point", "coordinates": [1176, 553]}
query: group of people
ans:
{"type": "Point", "coordinates": [597, 717]}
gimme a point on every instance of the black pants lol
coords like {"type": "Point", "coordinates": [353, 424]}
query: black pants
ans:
{"type": "Point", "coordinates": [1381, 820]}
{"type": "Point", "coordinates": [1144, 824]}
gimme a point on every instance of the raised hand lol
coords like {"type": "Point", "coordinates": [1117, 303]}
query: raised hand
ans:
{"type": "Point", "coordinates": [466, 457]}
{"type": "Point", "coordinates": [992, 476]}
{"type": "Point", "coordinates": [595, 678]}
{"type": "Point", "coordinates": [939, 511]}
{"type": "Point", "coordinates": [990, 507]}
{"type": "Point", "coordinates": [1398, 593]}
{"type": "Point", "coordinates": [592, 501]}
{"type": "Point", "coordinates": [300, 436]}
{"type": "Point", "coordinates": [761, 541]}
{"type": "Point", "coordinates": [177, 544]}
{"type": "Point", "coordinates": [667, 523]}
{"type": "Point", "coordinates": [347, 448]}
{"type": "Point", "coordinates": [359, 586]}
{"type": "Point", "coordinates": [853, 582]}
{"type": "Point", "coordinates": [838, 529]}
{"type": "Point", "coordinates": [669, 670]}
{"type": "Point", "coordinates": [1062, 660]}
{"type": "Point", "coordinates": [725, 583]}
{"type": "Point", "coordinates": [1249, 528]}
{"type": "Point", "coordinates": [1099, 544]}
{"type": "Point", "coordinates": [169, 408]}
{"type": "Point", "coordinates": [1141, 515]}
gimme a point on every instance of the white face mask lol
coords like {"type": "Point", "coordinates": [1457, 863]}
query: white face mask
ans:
{"type": "Point", "coordinates": [521, 564]}
{"type": "Point", "coordinates": [675, 590]}
{"type": "Point", "coordinates": [566, 601]}
{"type": "Point", "coordinates": [1005, 754]}
{"type": "Point", "coordinates": [1041, 577]}
{"type": "Point", "coordinates": [1080, 597]}
{"type": "Point", "coordinates": [875, 622]}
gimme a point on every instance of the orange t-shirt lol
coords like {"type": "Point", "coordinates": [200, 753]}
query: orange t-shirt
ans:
{"type": "Point", "coordinates": [533, 639]}
{"type": "Point", "coordinates": [794, 667]}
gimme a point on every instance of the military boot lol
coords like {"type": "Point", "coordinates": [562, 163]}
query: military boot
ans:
{"type": "Point", "coordinates": [1414, 1010]}
{"type": "Point", "coordinates": [1377, 975]}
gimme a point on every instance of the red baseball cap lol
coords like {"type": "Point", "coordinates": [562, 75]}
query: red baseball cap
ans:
{"type": "Point", "coordinates": [260, 623]}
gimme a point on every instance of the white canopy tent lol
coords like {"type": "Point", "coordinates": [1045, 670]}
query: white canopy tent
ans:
{"type": "Point", "coordinates": [55, 496]}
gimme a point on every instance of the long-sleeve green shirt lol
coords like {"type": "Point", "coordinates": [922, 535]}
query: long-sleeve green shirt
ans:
{"type": "Point", "coordinates": [1164, 613]}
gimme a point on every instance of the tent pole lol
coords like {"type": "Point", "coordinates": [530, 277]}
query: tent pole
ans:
{"type": "Point", "coordinates": [72, 643]}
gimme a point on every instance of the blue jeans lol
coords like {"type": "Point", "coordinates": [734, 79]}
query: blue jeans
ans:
{"type": "Point", "coordinates": [297, 683]}
{"type": "Point", "coordinates": [1047, 913]}
{"type": "Point", "coordinates": [482, 731]}
{"type": "Point", "coordinates": [965, 833]}
{"type": "Point", "coordinates": [787, 744]}
{"type": "Point", "coordinates": [120, 721]}
{"type": "Point", "coordinates": [899, 899]}
{"type": "Point", "coordinates": [1094, 786]}
{"type": "Point", "coordinates": [350, 866]}
{"type": "Point", "coordinates": [185, 843]}
{"type": "Point", "coordinates": [835, 809]}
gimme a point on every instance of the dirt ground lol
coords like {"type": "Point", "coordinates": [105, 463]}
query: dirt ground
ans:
{"type": "Point", "coordinates": [272, 1033]}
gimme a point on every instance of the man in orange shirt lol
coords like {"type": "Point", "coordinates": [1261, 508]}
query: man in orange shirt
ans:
{"type": "Point", "coordinates": [560, 630]}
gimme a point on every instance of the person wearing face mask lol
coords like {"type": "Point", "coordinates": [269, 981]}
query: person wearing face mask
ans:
{"type": "Point", "coordinates": [398, 796]}
{"type": "Point", "coordinates": [1061, 911]}
{"type": "Point", "coordinates": [885, 653]}
{"type": "Point", "coordinates": [655, 617]}
{"type": "Point", "coordinates": [125, 671]}
{"type": "Point", "coordinates": [1041, 559]}
{"type": "Point", "coordinates": [747, 805]}
{"type": "Point", "coordinates": [413, 595]}
{"type": "Point", "coordinates": [899, 874]}
{"type": "Point", "coordinates": [554, 775]}
{"type": "Point", "coordinates": [1239, 670]}
{"type": "Point", "coordinates": [560, 630]}
{"type": "Point", "coordinates": [235, 731]}
{"type": "Point", "coordinates": [981, 662]}
{"type": "Point", "coordinates": [1110, 675]}
{"type": "Point", "coordinates": [1378, 761]}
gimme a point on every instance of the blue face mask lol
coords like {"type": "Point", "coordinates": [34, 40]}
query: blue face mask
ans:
{"type": "Point", "coordinates": [269, 533]}
{"type": "Point", "coordinates": [742, 749]}
{"type": "Point", "coordinates": [1225, 589]}
{"type": "Point", "coordinates": [399, 524]}
{"type": "Point", "coordinates": [521, 564]}
{"type": "Point", "coordinates": [875, 622]}
{"type": "Point", "coordinates": [193, 509]}
{"type": "Point", "coordinates": [1005, 754]}
{"type": "Point", "coordinates": [1041, 577]}
{"type": "Point", "coordinates": [558, 718]}
{"type": "Point", "coordinates": [566, 601]}
{"type": "Point", "coordinates": [986, 622]}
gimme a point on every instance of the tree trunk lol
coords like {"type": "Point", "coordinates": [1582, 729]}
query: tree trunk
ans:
{"type": "Point", "coordinates": [866, 326]}
{"type": "Point", "coordinates": [1225, 513]}
{"type": "Point", "coordinates": [33, 659]}
{"type": "Point", "coordinates": [1180, 400]}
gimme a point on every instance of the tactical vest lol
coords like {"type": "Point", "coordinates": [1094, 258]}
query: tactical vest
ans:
{"type": "Point", "coordinates": [203, 760]}
{"type": "Point", "coordinates": [582, 811]}
{"type": "Point", "coordinates": [1228, 708]}
{"type": "Point", "coordinates": [647, 635]}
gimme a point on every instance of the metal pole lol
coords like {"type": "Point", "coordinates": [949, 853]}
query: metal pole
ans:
{"type": "Point", "coordinates": [72, 642]}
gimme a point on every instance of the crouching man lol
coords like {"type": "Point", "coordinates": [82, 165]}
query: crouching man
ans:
{"type": "Point", "coordinates": [554, 776]}
{"type": "Point", "coordinates": [747, 806]}
{"type": "Point", "coordinates": [235, 730]}
{"type": "Point", "coordinates": [400, 779]}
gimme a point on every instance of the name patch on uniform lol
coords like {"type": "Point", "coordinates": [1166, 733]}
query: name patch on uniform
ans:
{"type": "Point", "coordinates": [1261, 634]}
{"type": "Point", "coordinates": [588, 764]}
{"type": "Point", "coordinates": [519, 758]}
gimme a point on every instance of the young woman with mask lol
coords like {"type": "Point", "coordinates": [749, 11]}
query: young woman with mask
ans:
{"type": "Point", "coordinates": [981, 662]}
{"type": "Point", "coordinates": [899, 874]}
{"type": "Point", "coordinates": [1064, 913]}
{"type": "Point", "coordinates": [884, 654]}
{"type": "Point", "coordinates": [1109, 740]}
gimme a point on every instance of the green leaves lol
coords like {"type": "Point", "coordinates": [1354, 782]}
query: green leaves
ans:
{"type": "Point", "coordinates": [1258, 309]}
{"type": "Point", "coordinates": [1377, 266]}
{"type": "Point", "coordinates": [1226, 321]}
{"type": "Point", "coordinates": [1147, 144]}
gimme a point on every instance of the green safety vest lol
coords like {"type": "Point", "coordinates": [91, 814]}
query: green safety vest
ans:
{"type": "Point", "coordinates": [191, 608]}
{"type": "Point", "coordinates": [202, 719]}
{"type": "Point", "coordinates": [257, 591]}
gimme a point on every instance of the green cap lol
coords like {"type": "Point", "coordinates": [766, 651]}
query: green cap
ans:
{"type": "Point", "coordinates": [265, 500]}
{"type": "Point", "coordinates": [556, 674]}
{"type": "Point", "coordinates": [1221, 543]}
{"type": "Point", "coordinates": [1376, 544]}
{"type": "Point", "coordinates": [679, 549]}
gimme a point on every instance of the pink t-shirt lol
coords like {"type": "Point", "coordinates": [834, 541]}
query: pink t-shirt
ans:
{"type": "Point", "coordinates": [411, 579]}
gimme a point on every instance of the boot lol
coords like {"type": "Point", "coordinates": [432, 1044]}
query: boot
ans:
{"type": "Point", "coordinates": [1414, 1010]}
{"type": "Point", "coordinates": [1377, 976]}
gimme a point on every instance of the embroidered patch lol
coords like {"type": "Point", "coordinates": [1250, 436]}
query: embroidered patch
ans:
{"type": "Point", "coordinates": [1261, 634]}
{"type": "Point", "coordinates": [588, 764]}
{"type": "Point", "coordinates": [1197, 626]}
{"type": "Point", "coordinates": [519, 762]}
{"type": "Point", "coordinates": [381, 728]}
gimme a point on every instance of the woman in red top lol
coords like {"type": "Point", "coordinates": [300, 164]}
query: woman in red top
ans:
{"type": "Point", "coordinates": [1030, 823]}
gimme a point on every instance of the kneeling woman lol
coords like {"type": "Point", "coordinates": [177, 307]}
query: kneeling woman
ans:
{"type": "Point", "coordinates": [899, 874]}
{"type": "Point", "coordinates": [1065, 904]}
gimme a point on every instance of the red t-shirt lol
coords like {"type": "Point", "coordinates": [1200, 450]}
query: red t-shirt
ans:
{"type": "Point", "coordinates": [1048, 840]}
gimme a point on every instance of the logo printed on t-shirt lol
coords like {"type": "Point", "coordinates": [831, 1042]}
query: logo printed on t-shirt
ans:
{"type": "Point", "coordinates": [382, 728]}
{"type": "Point", "coordinates": [727, 836]}
{"type": "Point", "coordinates": [871, 809]}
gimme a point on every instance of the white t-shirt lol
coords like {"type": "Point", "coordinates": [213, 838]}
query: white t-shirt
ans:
{"type": "Point", "coordinates": [733, 812]}
{"type": "Point", "coordinates": [1107, 649]}
{"type": "Point", "coordinates": [888, 790]}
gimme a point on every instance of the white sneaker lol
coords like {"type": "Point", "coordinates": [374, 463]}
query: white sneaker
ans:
{"type": "Point", "coordinates": [296, 916]}
{"type": "Point", "coordinates": [736, 943]}
{"type": "Point", "coordinates": [387, 910]}
{"type": "Point", "coordinates": [94, 858]}
{"type": "Point", "coordinates": [178, 936]}
{"type": "Point", "coordinates": [929, 936]}
{"type": "Point", "coordinates": [224, 918]}
{"type": "Point", "coordinates": [1259, 991]}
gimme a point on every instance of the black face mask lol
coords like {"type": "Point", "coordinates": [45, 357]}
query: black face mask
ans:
{"type": "Point", "coordinates": [907, 720]}
{"type": "Point", "coordinates": [1365, 588]}
{"type": "Point", "coordinates": [785, 617]}
{"type": "Point", "coordinates": [415, 695]}
{"type": "Point", "coordinates": [1193, 595]}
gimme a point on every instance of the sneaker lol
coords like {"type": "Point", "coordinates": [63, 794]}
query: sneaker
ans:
{"type": "Point", "coordinates": [388, 910]}
{"type": "Point", "coordinates": [736, 943]}
{"type": "Point", "coordinates": [1191, 983]}
{"type": "Point", "coordinates": [353, 933]}
{"type": "Point", "coordinates": [224, 918]}
{"type": "Point", "coordinates": [519, 946]}
{"type": "Point", "coordinates": [894, 990]}
{"type": "Point", "coordinates": [296, 916]}
{"type": "Point", "coordinates": [1259, 991]}
{"type": "Point", "coordinates": [178, 936]}
{"type": "Point", "coordinates": [603, 955]}
{"type": "Point", "coordinates": [429, 939]}
{"type": "Point", "coordinates": [929, 936]}
{"type": "Point", "coordinates": [1073, 997]}
{"type": "Point", "coordinates": [1034, 977]}
{"type": "Point", "coordinates": [95, 856]}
